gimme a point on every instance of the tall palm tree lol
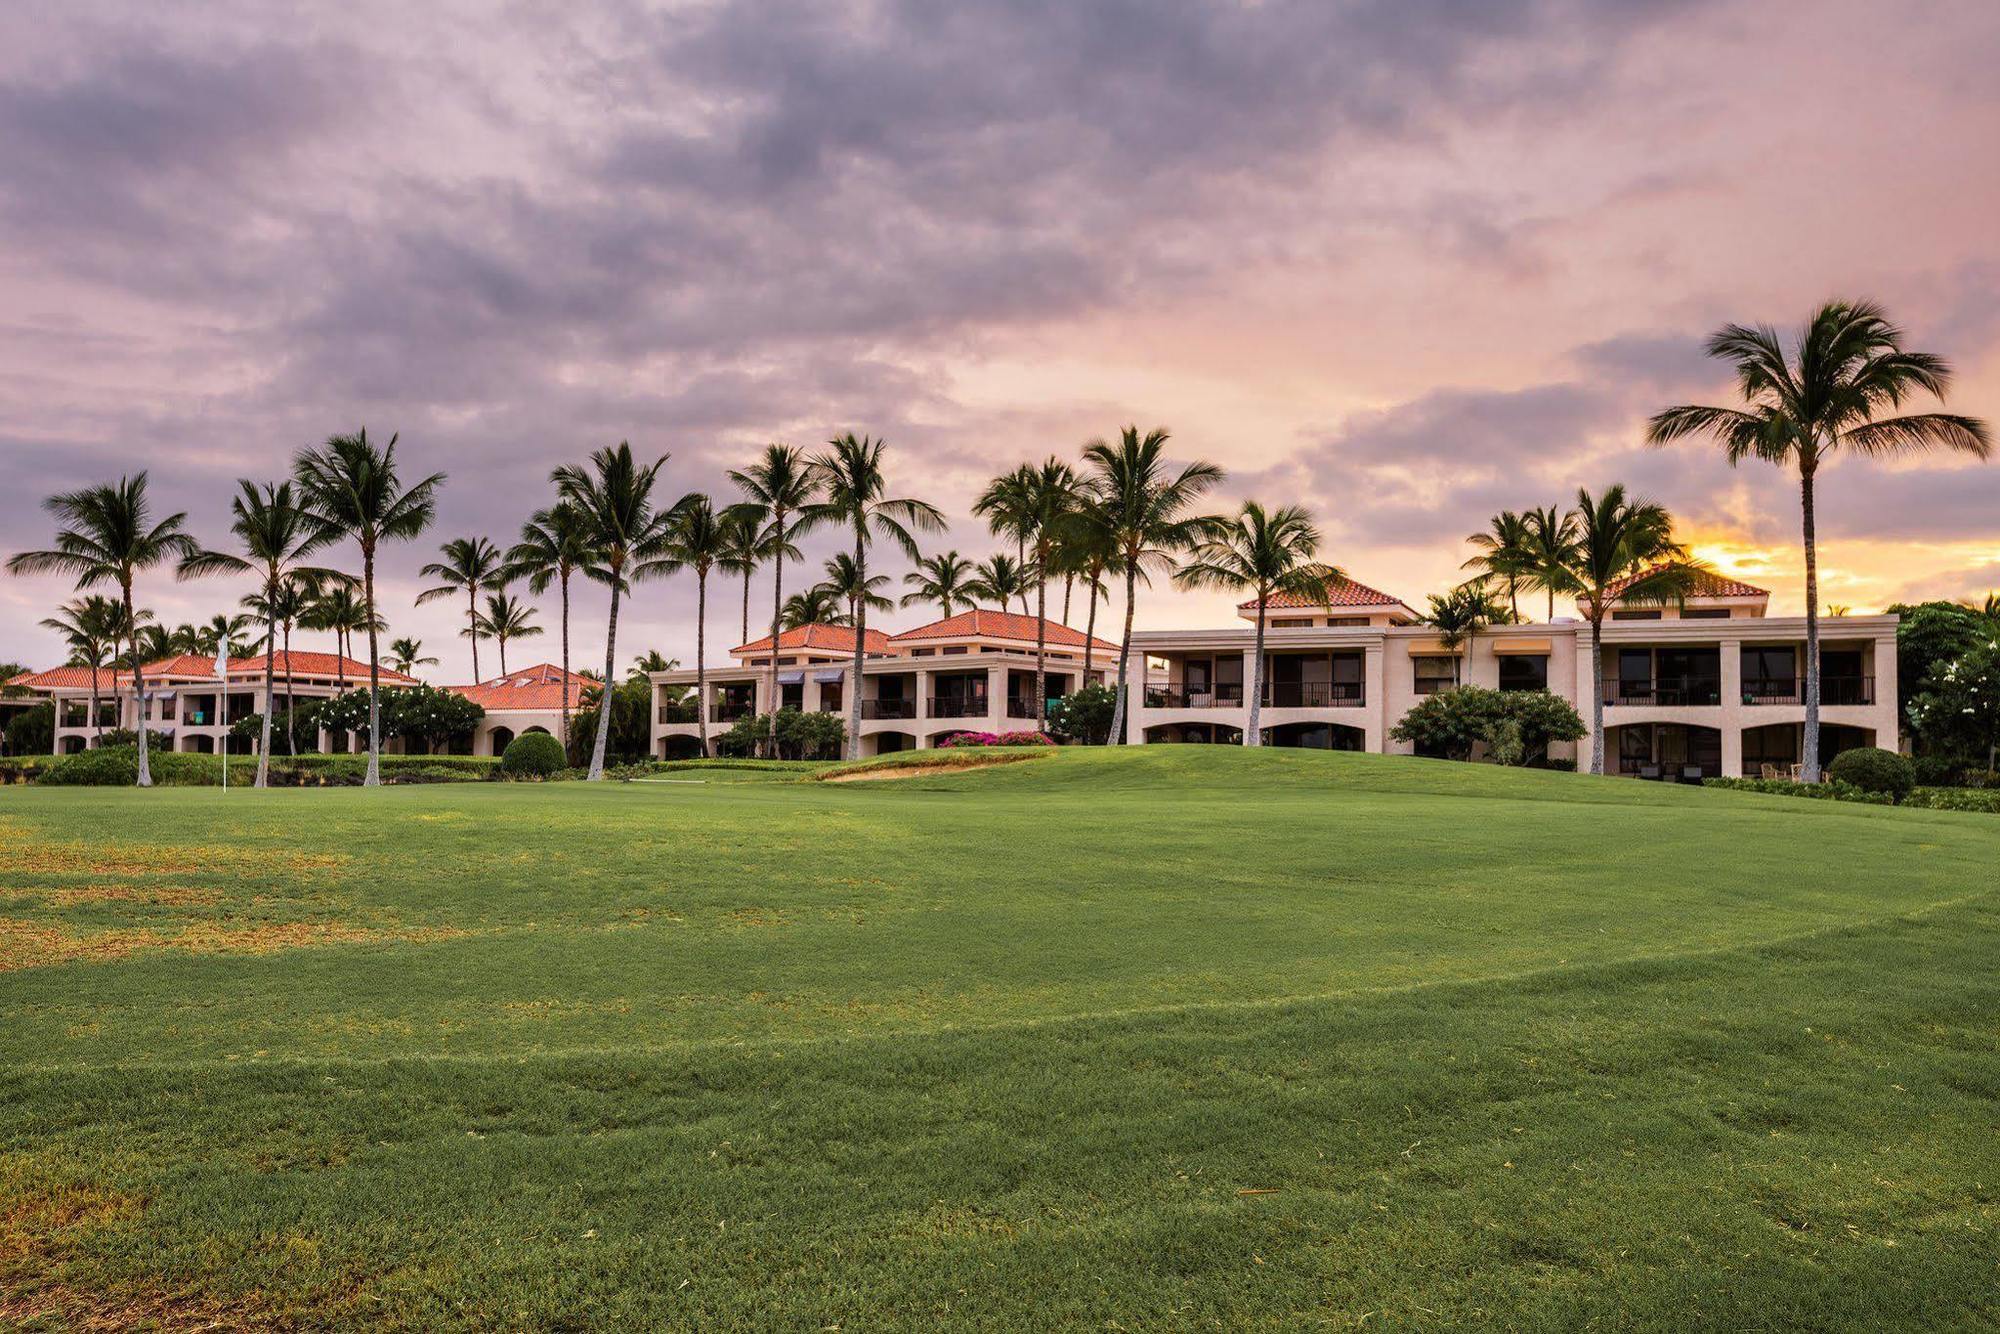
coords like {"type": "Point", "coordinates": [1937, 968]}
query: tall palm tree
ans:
{"type": "Point", "coordinates": [1459, 616]}
{"type": "Point", "coordinates": [107, 535]}
{"type": "Point", "coordinates": [1804, 403]}
{"type": "Point", "coordinates": [225, 633]}
{"type": "Point", "coordinates": [92, 629]}
{"type": "Point", "coordinates": [1550, 537]}
{"type": "Point", "coordinates": [150, 642]}
{"type": "Point", "coordinates": [852, 494]}
{"type": "Point", "coordinates": [1007, 504]}
{"type": "Point", "coordinates": [1625, 553]}
{"type": "Point", "coordinates": [292, 603]}
{"type": "Point", "coordinates": [940, 579]}
{"type": "Point", "coordinates": [700, 539]}
{"type": "Point", "coordinates": [614, 493]}
{"type": "Point", "coordinates": [336, 609]}
{"type": "Point", "coordinates": [652, 660]}
{"type": "Point", "coordinates": [1265, 553]}
{"type": "Point", "coordinates": [855, 590]}
{"type": "Point", "coordinates": [555, 545]}
{"type": "Point", "coordinates": [1051, 493]}
{"type": "Point", "coordinates": [506, 617]}
{"type": "Point", "coordinates": [406, 655]}
{"type": "Point", "coordinates": [1088, 546]}
{"type": "Point", "coordinates": [999, 579]}
{"type": "Point", "coordinates": [470, 565]}
{"type": "Point", "coordinates": [353, 489]}
{"type": "Point", "coordinates": [1146, 511]}
{"type": "Point", "coordinates": [780, 488]}
{"type": "Point", "coordinates": [276, 534]}
{"type": "Point", "coordinates": [818, 605]}
{"type": "Point", "coordinates": [1504, 555]}
{"type": "Point", "coordinates": [744, 549]}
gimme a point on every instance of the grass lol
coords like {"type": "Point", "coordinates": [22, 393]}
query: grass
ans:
{"type": "Point", "coordinates": [1174, 1038]}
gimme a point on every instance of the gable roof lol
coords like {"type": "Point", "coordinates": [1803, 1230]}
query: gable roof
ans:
{"type": "Point", "coordinates": [540, 688]}
{"type": "Point", "coordinates": [832, 638]}
{"type": "Point", "coordinates": [983, 623]}
{"type": "Point", "coordinates": [1341, 592]}
{"type": "Point", "coordinates": [1707, 584]}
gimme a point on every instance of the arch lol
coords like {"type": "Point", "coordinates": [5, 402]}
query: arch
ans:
{"type": "Point", "coordinates": [498, 740]}
{"type": "Point", "coordinates": [1316, 736]}
{"type": "Point", "coordinates": [73, 745]}
{"type": "Point", "coordinates": [1218, 734]}
{"type": "Point", "coordinates": [887, 743]}
{"type": "Point", "coordinates": [198, 745]}
{"type": "Point", "coordinates": [681, 747]}
{"type": "Point", "coordinates": [1673, 751]}
{"type": "Point", "coordinates": [536, 728]}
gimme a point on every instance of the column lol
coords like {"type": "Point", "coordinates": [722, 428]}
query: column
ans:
{"type": "Point", "coordinates": [1734, 715]}
{"type": "Point", "coordinates": [1250, 677]}
{"type": "Point", "coordinates": [922, 711]}
{"type": "Point", "coordinates": [1374, 700]}
{"type": "Point", "coordinates": [996, 700]}
{"type": "Point", "coordinates": [1135, 698]}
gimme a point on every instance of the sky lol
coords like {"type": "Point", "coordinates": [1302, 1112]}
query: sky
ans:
{"type": "Point", "coordinates": [1406, 262]}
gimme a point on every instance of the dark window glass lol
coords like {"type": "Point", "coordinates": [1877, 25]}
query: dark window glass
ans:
{"type": "Point", "coordinates": [1524, 671]}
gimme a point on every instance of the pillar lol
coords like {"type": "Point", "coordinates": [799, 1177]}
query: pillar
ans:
{"type": "Point", "coordinates": [1734, 715]}
{"type": "Point", "coordinates": [1374, 700]}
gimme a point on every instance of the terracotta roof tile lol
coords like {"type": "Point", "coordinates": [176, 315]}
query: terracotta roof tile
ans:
{"type": "Point", "coordinates": [1707, 584]}
{"type": "Point", "coordinates": [540, 688]}
{"type": "Point", "coordinates": [982, 623]}
{"type": "Point", "coordinates": [1341, 592]}
{"type": "Point", "coordinates": [195, 667]}
{"type": "Point", "coordinates": [833, 638]}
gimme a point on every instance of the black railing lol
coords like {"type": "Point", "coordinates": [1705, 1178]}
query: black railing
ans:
{"type": "Point", "coordinates": [730, 710]}
{"type": "Point", "coordinates": [1665, 691]}
{"type": "Point", "coordinates": [1313, 695]}
{"type": "Point", "coordinates": [1832, 690]}
{"type": "Point", "coordinates": [680, 713]}
{"type": "Point", "coordinates": [888, 708]}
{"type": "Point", "coordinates": [1221, 697]}
{"type": "Point", "coordinates": [956, 706]}
{"type": "Point", "coordinates": [1025, 708]}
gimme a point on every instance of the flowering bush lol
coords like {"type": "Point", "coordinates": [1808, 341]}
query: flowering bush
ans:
{"type": "Point", "coordinates": [960, 740]}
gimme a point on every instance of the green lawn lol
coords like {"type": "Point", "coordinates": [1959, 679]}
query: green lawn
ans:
{"type": "Point", "coordinates": [1170, 1038]}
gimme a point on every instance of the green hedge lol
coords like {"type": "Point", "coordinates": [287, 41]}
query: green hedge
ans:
{"type": "Point", "coordinates": [1873, 769]}
{"type": "Point", "coordinates": [1982, 800]}
{"type": "Point", "coordinates": [119, 767]}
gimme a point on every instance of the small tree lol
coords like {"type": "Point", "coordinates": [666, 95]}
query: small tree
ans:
{"type": "Point", "coordinates": [1521, 723]}
{"type": "Point", "coordinates": [1084, 715]}
{"type": "Point", "coordinates": [1958, 712]}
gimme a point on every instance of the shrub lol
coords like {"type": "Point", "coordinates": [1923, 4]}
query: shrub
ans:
{"type": "Point", "coordinates": [1984, 800]}
{"type": "Point", "coordinates": [33, 730]}
{"type": "Point", "coordinates": [533, 755]}
{"type": "Point", "coordinates": [107, 766]}
{"type": "Point", "coordinates": [1873, 769]}
{"type": "Point", "coordinates": [964, 740]}
{"type": "Point", "coordinates": [1831, 790]}
{"type": "Point", "coordinates": [1084, 715]}
{"type": "Point", "coordinates": [1451, 722]}
{"type": "Point", "coordinates": [119, 767]}
{"type": "Point", "coordinates": [801, 736]}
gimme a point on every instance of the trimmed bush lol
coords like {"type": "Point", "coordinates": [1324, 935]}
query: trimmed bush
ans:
{"type": "Point", "coordinates": [1985, 801]}
{"type": "Point", "coordinates": [964, 740]}
{"type": "Point", "coordinates": [1831, 790]}
{"type": "Point", "coordinates": [533, 755]}
{"type": "Point", "coordinates": [109, 766]}
{"type": "Point", "coordinates": [119, 767]}
{"type": "Point", "coordinates": [1873, 769]}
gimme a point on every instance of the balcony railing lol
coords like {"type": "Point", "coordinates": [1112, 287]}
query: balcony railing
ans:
{"type": "Point", "coordinates": [729, 711]}
{"type": "Point", "coordinates": [956, 706]}
{"type": "Point", "coordinates": [877, 709]}
{"type": "Point", "coordinates": [1220, 697]}
{"type": "Point", "coordinates": [1025, 708]}
{"type": "Point", "coordinates": [1313, 695]}
{"type": "Point", "coordinates": [1832, 690]}
{"type": "Point", "coordinates": [1665, 691]}
{"type": "Point", "coordinates": [679, 713]}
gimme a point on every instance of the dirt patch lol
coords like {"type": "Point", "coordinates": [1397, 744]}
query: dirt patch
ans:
{"type": "Point", "coordinates": [152, 896]}
{"type": "Point", "coordinates": [154, 859]}
{"type": "Point", "coordinates": [36, 945]}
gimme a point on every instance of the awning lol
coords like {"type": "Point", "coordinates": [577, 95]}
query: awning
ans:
{"type": "Point", "coordinates": [1433, 648]}
{"type": "Point", "coordinates": [1507, 645]}
{"type": "Point", "coordinates": [832, 678]}
{"type": "Point", "coordinates": [791, 678]}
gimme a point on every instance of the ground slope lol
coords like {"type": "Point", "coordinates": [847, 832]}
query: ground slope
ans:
{"type": "Point", "coordinates": [1160, 1038]}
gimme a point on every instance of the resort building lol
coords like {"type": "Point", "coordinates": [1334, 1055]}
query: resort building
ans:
{"type": "Point", "coordinates": [191, 708]}
{"type": "Point", "coordinates": [530, 700]}
{"type": "Point", "coordinates": [972, 672]}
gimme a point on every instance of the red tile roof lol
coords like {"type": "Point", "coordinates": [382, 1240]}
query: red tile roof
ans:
{"type": "Point", "coordinates": [532, 689]}
{"type": "Point", "coordinates": [1341, 592]}
{"type": "Point", "coordinates": [198, 667]}
{"type": "Point", "coordinates": [833, 638]}
{"type": "Point", "coordinates": [1707, 584]}
{"type": "Point", "coordinates": [980, 623]}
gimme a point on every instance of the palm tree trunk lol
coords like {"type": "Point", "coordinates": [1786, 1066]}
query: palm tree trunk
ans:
{"type": "Point", "coordinates": [1254, 734]}
{"type": "Point", "coordinates": [139, 691]}
{"type": "Point", "coordinates": [1041, 654]}
{"type": "Point", "coordinates": [502, 641]}
{"type": "Point", "coordinates": [373, 777]}
{"type": "Point", "coordinates": [604, 692]}
{"type": "Point", "coordinates": [1118, 709]}
{"type": "Point", "coordinates": [1809, 758]}
{"type": "Point", "coordinates": [853, 747]}
{"type": "Point", "coordinates": [1090, 626]}
{"type": "Point", "coordinates": [291, 723]}
{"type": "Point", "coordinates": [270, 689]}
{"type": "Point", "coordinates": [1069, 583]}
{"type": "Point", "coordinates": [777, 614]}
{"type": "Point", "coordinates": [1596, 692]}
{"type": "Point", "coordinates": [472, 624]}
{"type": "Point", "coordinates": [563, 582]}
{"type": "Point", "coordinates": [97, 713]}
{"type": "Point", "coordinates": [701, 656]}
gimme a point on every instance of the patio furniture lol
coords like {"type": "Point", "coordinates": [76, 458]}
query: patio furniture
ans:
{"type": "Point", "coordinates": [1651, 771]}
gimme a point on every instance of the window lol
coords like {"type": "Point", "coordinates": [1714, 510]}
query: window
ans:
{"type": "Point", "coordinates": [1524, 671]}
{"type": "Point", "coordinates": [955, 648]}
{"type": "Point", "coordinates": [1291, 623]}
{"type": "Point", "coordinates": [1435, 673]}
{"type": "Point", "coordinates": [1705, 614]}
{"type": "Point", "coordinates": [1770, 674]}
{"type": "Point", "coordinates": [1346, 620]}
{"type": "Point", "coordinates": [1652, 615]}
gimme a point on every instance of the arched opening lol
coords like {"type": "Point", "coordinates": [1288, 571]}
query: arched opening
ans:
{"type": "Point", "coordinates": [1316, 736]}
{"type": "Point", "coordinates": [198, 745]}
{"type": "Point", "coordinates": [677, 747]}
{"type": "Point", "coordinates": [536, 728]}
{"type": "Point", "coordinates": [499, 739]}
{"type": "Point", "coordinates": [1212, 734]}
{"type": "Point", "coordinates": [1673, 752]}
{"type": "Point", "coordinates": [72, 745]}
{"type": "Point", "coordinates": [887, 743]}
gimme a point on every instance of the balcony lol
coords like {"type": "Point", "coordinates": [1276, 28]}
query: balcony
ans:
{"type": "Point", "coordinates": [1670, 692]}
{"type": "Point", "coordinates": [956, 706]}
{"type": "Point", "coordinates": [1834, 690]}
{"type": "Point", "coordinates": [680, 713]}
{"type": "Point", "coordinates": [1221, 697]}
{"type": "Point", "coordinates": [876, 710]}
{"type": "Point", "coordinates": [1313, 695]}
{"type": "Point", "coordinates": [728, 711]}
{"type": "Point", "coordinates": [1025, 708]}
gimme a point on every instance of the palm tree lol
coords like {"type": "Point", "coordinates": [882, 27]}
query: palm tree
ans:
{"type": "Point", "coordinates": [225, 633]}
{"type": "Point", "coordinates": [699, 539]}
{"type": "Point", "coordinates": [406, 655]}
{"type": "Point", "coordinates": [1504, 555]}
{"type": "Point", "coordinates": [781, 488]}
{"type": "Point", "coordinates": [470, 565]}
{"type": "Point", "coordinates": [555, 545]}
{"type": "Point", "coordinates": [743, 550]}
{"type": "Point", "coordinates": [276, 533]}
{"type": "Point", "coordinates": [1805, 403]}
{"type": "Point", "coordinates": [1550, 536]}
{"type": "Point", "coordinates": [1145, 512]}
{"type": "Point", "coordinates": [354, 490]}
{"type": "Point", "coordinates": [106, 535]}
{"type": "Point", "coordinates": [1459, 616]}
{"type": "Point", "coordinates": [150, 642]}
{"type": "Point", "coordinates": [614, 494]}
{"type": "Point", "coordinates": [291, 605]}
{"type": "Point", "coordinates": [337, 610]}
{"type": "Point", "coordinates": [506, 617]}
{"type": "Point", "coordinates": [1050, 495]}
{"type": "Point", "coordinates": [652, 660]}
{"type": "Point", "coordinates": [1266, 553]}
{"type": "Point", "coordinates": [1088, 546]}
{"type": "Point", "coordinates": [91, 628]}
{"type": "Point", "coordinates": [854, 590]}
{"type": "Point", "coordinates": [940, 579]}
{"type": "Point", "coordinates": [1625, 553]}
{"type": "Point", "coordinates": [1007, 504]}
{"type": "Point", "coordinates": [999, 579]}
{"type": "Point", "coordinates": [848, 475]}
{"type": "Point", "coordinates": [818, 605]}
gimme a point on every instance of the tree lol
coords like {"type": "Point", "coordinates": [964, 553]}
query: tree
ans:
{"type": "Point", "coordinates": [1958, 711]}
{"type": "Point", "coordinates": [1551, 551]}
{"type": "Point", "coordinates": [628, 706]}
{"type": "Point", "coordinates": [335, 608]}
{"type": "Point", "coordinates": [276, 533]}
{"type": "Point", "coordinates": [853, 494]}
{"type": "Point", "coordinates": [1265, 553]}
{"type": "Point", "coordinates": [555, 545]}
{"type": "Point", "coordinates": [1504, 555]}
{"type": "Point", "coordinates": [940, 579]}
{"type": "Point", "coordinates": [614, 494]}
{"type": "Point", "coordinates": [355, 491]}
{"type": "Point", "coordinates": [1806, 402]}
{"type": "Point", "coordinates": [106, 535]}
{"type": "Point", "coordinates": [506, 617]}
{"type": "Point", "coordinates": [698, 539]}
{"type": "Point", "coordinates": [470, 564]}
{"type": "Point", "coordinates": [1145, 509]}
{"type": "Point", "coordinates": [225, 633]}
{"type": "Point", "coordinates": [818, 605]}
{"type": "Point", "coordinates": [406, 655]}
{"type": "Point", "coordinates": [1007, 505]}
{"type": "Point", "coordinates": [1052, 493]}
{"type": "Point", "coordinates": [91, 628]}
{"type": "Point", "coordinates": [1088, 547]}
{"type": "Point", "coordinates": [744, 549]}
{"type": "Point", "coordinates": [780, 488]}
{"type": "Point", "coordinates": [999, 580]}
{"type": "Point", "coordinates": [1625, 553]}
{"type": "Point", "coordinates": [652, 660]}
{"type": "Point", "coordinates": [292, 602]}
{"type": "Point", "coordinates": [1459, 616]}
{"type": "Point", "coordinates": [1516, 725]}
{"type": "Point", "coordinates": [1929, 635]}
{"type": "Point", "coordinates": [854, 590]}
